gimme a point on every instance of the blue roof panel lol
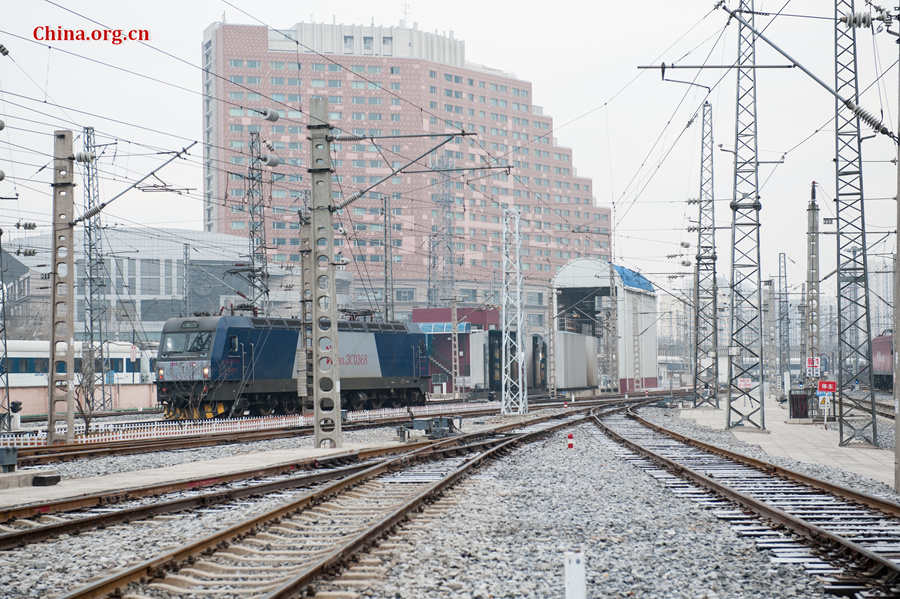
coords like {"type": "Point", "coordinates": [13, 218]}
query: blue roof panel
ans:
{"type": "Point", "coordinates": [438, 328]}
{"type": "Point", "coordinates": [634, 279]}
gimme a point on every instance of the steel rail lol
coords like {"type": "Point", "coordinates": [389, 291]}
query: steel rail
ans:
{"type": "Point", "coordinates": [30, 456]}
{"type": "Point", "coordinates": [881, 569]}
{"type": "Point", "coordinates": [157, 566]}
{"type": "Point", "coordinates": [34, 534]}
{"type": "Point", "coordinates": [292, 587]}
{"type": "Point", "coordinates": [883, 505]}
{"type": "Point", "coordinates": [39, 533]}
{"type": "Point", "coordinates": [129, 493]}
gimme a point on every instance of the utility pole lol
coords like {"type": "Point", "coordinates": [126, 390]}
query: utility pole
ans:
{"type": "Point", "coordinates": [186, 279]}
{"type": "Point", "coordinates": [514, 387]}
{"type": "Point", "coordinates": [388, 260]}
{"type": "Point", "coordinates": [706, 328]}
{"type": "Point", "coordinates": [611, 345]}
{"type": "Point", "coordinates": [552, 327]}
{"type": "Point", "coordinates": [95, 309]}
{"type": "Point", "coordinates": [896, 316]}
{"type": "Point", "coordinates": [812, 286]}
{"type": "Point", "coordinates": [5, 412]}
{"type": "Point", "coordinates": [326, 377]}
{"type": "Point", "coordinates": [746, 398]}
{"type": "Point", "coordinates": [784, 325]}
{"type": "Point", "coordinates": [856, 397]}
{"type": "Point", "coordinates": [62, 291]}
{"type": "Point", "coordinates": [803, 326]}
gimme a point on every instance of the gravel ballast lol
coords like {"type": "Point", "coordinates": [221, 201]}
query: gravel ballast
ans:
{"type": "Point", "coordinates": [507, 535]}
{"type": "Point", "coordinates": [669, 418]}
{"type": "Point", "coordinates": [158, 459]}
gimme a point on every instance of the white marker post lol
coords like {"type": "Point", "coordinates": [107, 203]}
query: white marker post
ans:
{"type": "Point", "coordinates": [575, 584]}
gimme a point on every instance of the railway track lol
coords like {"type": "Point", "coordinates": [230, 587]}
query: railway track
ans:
{"type": "Point", "coordinates": [282, 552]}
{"type": "Point", "coordinates": [34, 456]}
{"type": "Point", "coordinates": [849, 539]}
{"type": "Point", "coordinates": [39, 521]}
{"type": "Point", "coordinates": [885, 410]}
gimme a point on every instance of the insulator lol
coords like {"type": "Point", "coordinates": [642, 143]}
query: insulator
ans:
{"type": "Point", "coordinates": [270, 160]}
{"type": "Point", "coordinates": [84, 157]}
{"type": "Point", "coordinates": [685, 244]}
{"type": "Point", "coordinates": [3, 50]}
{"type": "Point", "coordinates": [858, 19]}
{"type": "Point", "coordinates": [269, 115]}
{"type": "Point", "coordinates": [868, 118]}
{"type": "Point", "coordinates": [2, 175]}
{"type": "Point", "coordinates": [686, 263]}
{"type": "Point", "coordinates": [2, 125]}
{"type": "Point", "coordinates": [812, 191]}
{"type": "Point", "coordinates": [31, 252]}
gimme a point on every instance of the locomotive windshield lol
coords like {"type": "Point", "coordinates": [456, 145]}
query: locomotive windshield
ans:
{"type": "Point", "coordinates": [193, 343]}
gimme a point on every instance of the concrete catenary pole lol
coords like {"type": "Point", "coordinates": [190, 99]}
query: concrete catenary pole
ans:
{"type": "Point", "coordinates": [326, 392]}
{"type": "Point", "coordinates": [62, 292]}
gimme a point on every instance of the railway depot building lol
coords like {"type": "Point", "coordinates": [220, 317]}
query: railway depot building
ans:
{"type": "Point", "coordinates": [397, 80]}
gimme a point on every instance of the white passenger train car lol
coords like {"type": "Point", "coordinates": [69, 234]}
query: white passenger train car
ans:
{"type": "Point", "coordinates": [124, 364]}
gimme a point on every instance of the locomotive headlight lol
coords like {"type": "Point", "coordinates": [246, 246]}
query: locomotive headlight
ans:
{"type": "Point", "coordinates": [206, 372]}
{"type": "Point", "coordinates": [159, 374]}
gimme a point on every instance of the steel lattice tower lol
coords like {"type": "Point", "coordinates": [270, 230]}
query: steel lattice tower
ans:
{"type": "Point", "coordinates": [812, 282]}
{"type": "Point", "coordinates": [94, 273]}
{"type": "Point", "coordinates": [388, 259]}
{"type": "Point", "coordinates": [856, 397]}
{"type": "Point", "coordinates": [746, 396]}
{"type": "Point", "coordinates": [442, 283]}
{"type": "Point", "coordinates": [784, 322]}
{"type": "Point", "coordinates": [770, 335]}
{"type": "Point", "coordinates": [514, 388]}
{"type": "Point", "coordinates": [259, 270]}
{"type": "Point", "coordinates": [637, 379]}
{"type": "Point", "coordinates": [706, 338]}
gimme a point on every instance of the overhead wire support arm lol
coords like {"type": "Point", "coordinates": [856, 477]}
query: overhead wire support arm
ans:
{"type": "Point", "coordinates": [867, 117]}
{"type": "Point", "coordinates": [361, 193]}
{"type": "Point", "coordinates": [96, 209]}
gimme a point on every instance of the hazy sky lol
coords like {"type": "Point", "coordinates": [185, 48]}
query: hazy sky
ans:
{"type": "Point", "coordinates": [581, 58]}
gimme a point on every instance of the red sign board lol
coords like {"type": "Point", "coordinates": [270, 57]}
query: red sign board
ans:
{"type": "Point", "coordinates": [812, 362]}
{"type": "Point", "coordinates": [828, 386]}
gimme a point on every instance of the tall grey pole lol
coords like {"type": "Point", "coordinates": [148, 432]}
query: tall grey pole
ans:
{"type": "Point", "coordinates": [62, 291]}
{"type": "Point", "coordinates": [326, 392]}
{"type": "Point", "coordinates": [897, 314]}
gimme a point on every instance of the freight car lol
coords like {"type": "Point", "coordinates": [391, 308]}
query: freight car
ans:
{"type": "Point", "coordinates": [883, 360]}
{"type": "Point", "coordinates": [218, 366]}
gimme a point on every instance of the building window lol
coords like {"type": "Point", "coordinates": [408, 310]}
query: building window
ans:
{"type": "Point", "coordinates": [235, 62]}
{"type": "Point", "coordinates": [536, 320]}
{"type": "Point", "coordinates": [387, 46]}
{"type": "Point", "coordinates": [317, 83]}
{"type": "Point", "coordinates": [367, 44]}
{"type": "Point", "coordinates": [252, 64]}
{"type": "Point", "coordinates": [348, 44]}
{"type": "Point", "coordinates": [405, 295]}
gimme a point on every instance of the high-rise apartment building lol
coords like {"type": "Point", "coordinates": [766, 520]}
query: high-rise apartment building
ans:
{"type": "Point", "coordinates": [396, 81]}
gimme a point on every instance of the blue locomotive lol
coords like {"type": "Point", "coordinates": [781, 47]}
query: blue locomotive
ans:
{"type": "Point", "coordinates": [220, 366]}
